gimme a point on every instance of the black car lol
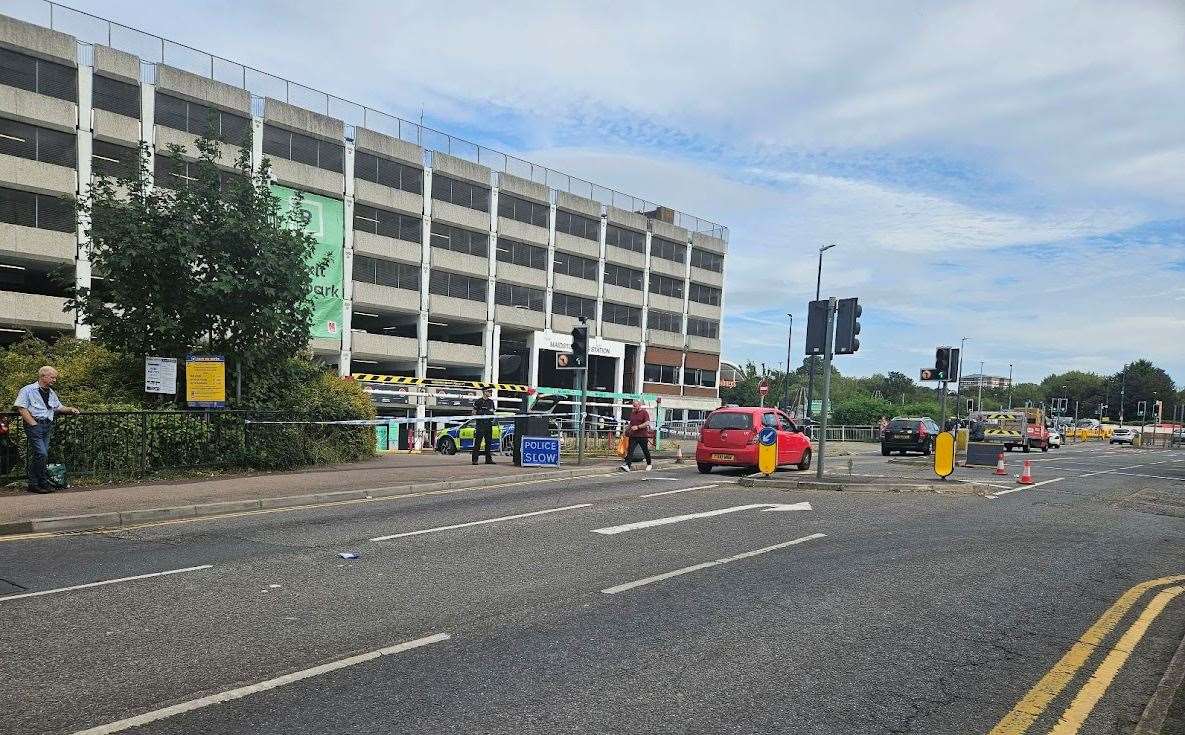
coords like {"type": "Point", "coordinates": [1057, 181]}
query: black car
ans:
{"type": "Point", "coordinates": [907, 434]}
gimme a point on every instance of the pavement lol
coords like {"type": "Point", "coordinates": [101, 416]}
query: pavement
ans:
{"type": "Point", "coordinates": [661, 602]}
{"type": "Point", "coordinates": [390, 470]}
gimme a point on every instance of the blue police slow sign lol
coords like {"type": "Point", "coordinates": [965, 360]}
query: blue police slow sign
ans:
{"type": "Point", "coordinates": [540, 451]}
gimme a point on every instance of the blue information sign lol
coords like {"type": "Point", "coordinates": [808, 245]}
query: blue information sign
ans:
{"type": "Point", "coordinates": [768, 436]}
{"type": "Point", "coordinates": [541, 451]}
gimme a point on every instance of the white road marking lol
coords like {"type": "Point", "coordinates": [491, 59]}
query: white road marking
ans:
{"type": "Point", "coordinates": [1024, 487]}
{"type": "Point", "coordinates": [709, 564]}
{"type": "Point", "coordinates": [104, 582]}
{"type": "Point", "coordinates": [479, 523]}
{"type": "Point", "coordinates": [1107, 472]}
{"type": "Point", "coordinates": [1151, 477]}
{"type": "Point", "coordinates": [682, 490]}
{"type": "Point", "coordinates": [658, 478]}
{"type": "Point", "coordinates": [262, 686]}
{"type": "Point", "coordinates": [767, 507]}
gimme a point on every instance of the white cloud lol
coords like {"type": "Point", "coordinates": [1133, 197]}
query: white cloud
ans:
{"type": "Point", "coordinates": [938, 142]}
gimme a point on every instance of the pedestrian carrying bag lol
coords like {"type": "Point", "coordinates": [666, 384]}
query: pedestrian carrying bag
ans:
{"type": "Point", "coordinates": [623, 443]}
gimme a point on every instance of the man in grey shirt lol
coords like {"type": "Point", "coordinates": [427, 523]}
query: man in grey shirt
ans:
{"type": "Point", "coordinates": [37, 404]}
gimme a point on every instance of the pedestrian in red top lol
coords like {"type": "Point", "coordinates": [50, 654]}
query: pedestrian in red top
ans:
{"type": "Point", "coordinates": [639, 432]}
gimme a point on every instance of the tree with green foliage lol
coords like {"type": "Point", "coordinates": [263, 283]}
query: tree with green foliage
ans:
{"type": "Point", "coordinates": [1143, 382]}
{"type": "Point", "coordinates": [214, 266]}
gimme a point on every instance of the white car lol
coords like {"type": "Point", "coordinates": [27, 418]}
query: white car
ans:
{"type": "Point", "coordinates": [1055, 439]}
{"type": "Point", "coordinates": [1123, 435]}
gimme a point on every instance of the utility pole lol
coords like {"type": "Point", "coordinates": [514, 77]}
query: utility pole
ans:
{"type": "Point", "coordinates": [828, 349]}
{"type": "Point", "coordinates": [979, 398]}
{"type": "Point", "coordinates": [1122, 391]}
{"type": "Point", "coordinates": [810, 381]}
{"type": "Point", "coordinates": [1009, 386]}
{"type": "Point", "coordinates": [959, 383]}
{"type": "Point", "coordinates": [789, 342]}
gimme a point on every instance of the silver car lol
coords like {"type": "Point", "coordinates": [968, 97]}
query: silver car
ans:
{"type": "Point", "coordinates": [1123, 435]}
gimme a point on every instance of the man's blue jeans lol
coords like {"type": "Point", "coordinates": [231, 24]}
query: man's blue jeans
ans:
{"type": "Point", "coordinates": [38, 459]}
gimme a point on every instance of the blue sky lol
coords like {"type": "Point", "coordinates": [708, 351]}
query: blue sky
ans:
{"type": "Point", "coordinates": [1013, 172]}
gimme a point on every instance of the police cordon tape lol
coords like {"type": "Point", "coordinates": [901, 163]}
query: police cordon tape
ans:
{"type": "Point", "coordinates": [412, 420]}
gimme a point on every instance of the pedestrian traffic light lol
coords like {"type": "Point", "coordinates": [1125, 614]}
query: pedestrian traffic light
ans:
{"type": "Point", "coordinates": [816, 327]}
{"type": "Point", "coordinates": [580, 346]}
{"type": "Point", "coordinates": [847, 326]}
{"type": "Point", "coordinates": [970, 404]}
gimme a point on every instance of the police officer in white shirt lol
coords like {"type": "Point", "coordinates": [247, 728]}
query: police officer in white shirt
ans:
{"type": "Point", "coordinates": [37, 404]}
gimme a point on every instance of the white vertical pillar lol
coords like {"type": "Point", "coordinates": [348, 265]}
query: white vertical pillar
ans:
{"type": "Point", "coordinates": [686, 305]}
{"type": "Point", "coordinates": [256, 142]}
{"type": "Point", "coordinates": [550, 272]}
{"type": "Point", "coordinates": [496, 352]}
{"type": "Point", "coordinates": [83, 151]}
{"type": "Point", "coordinates": [720, 329]}
{"type": "Point", "coordinates": [601, 274]}
{"type": "Point", "coordinates": [619, 374]}
{"type": "Point", "coordinates": [347, 345]}
{"type": "Point", "coordinates": [148, 125]}
{"type": "Point", "coordinates": [488, 334]}
{"type": "Point", "coordinates": [533, 367]}
{"type": "Point", "coordinates": [639, 378]}
{"type": "Point", "coordinates": [425, 274]}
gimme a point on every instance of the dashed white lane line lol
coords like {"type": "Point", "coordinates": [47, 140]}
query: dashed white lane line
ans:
{"type": "Point", "coordinates": [707, 565]}
{"type": "Point", "coordinates": [479, 523]}
{"type": "Point", "coordinates": [1151, 477]}
{"type": "Point", "coordinates": [103, 582]}
{"type": "Point", "coordinates": [1025, 487]}
{"type": "Point", "coordinates": [262, 686]}
{"type": "Point", "coordinates": [681, 490]}
{"type": "Point", "coordinates": [1108, 472]}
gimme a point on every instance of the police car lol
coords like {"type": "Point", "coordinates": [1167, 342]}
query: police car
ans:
{"type": "Point", "coordinates": [460, 437]}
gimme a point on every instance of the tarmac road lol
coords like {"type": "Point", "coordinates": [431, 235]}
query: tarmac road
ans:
{"type": "Point", "coordinates": [666, 602]}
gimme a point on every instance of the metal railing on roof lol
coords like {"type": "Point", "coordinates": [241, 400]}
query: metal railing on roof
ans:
{"type": "Point", "coordinates": [92, 29]}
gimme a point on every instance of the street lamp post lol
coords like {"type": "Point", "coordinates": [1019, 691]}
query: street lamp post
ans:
{"type": "Point", "coordinates": [1009, 386]}
{"type": "Point", "coordinates": [979, 396]}
{"type": "Point", "coordinates": [810, 381]}
{"type": "Point", "coordinates": [789, 342]}
{"type": "Point", "coordinates": [1122, 391]}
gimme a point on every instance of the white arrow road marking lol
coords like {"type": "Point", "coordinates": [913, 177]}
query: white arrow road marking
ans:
{"type": "Point", "coordinates": [479, 523]}
{"type": "Point", "coordinates": [767, 507]}
{"type": "Point", "coordinates": [709, 564]}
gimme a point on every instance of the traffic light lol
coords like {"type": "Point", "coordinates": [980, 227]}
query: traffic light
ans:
{"type": "Point", "coordinates": [816, 327]}
{"type": "Point", "coordinates": [952, 366]}
{"type": "Point", "coordinates": [580, 346]}
{"type": "Point", "coordinates": [847, 326]}
{"type": "Point", "coordinates": [941, 363]}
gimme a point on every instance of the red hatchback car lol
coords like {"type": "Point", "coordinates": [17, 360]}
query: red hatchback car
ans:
{"type": "Point", "coordinates": [729, 438]}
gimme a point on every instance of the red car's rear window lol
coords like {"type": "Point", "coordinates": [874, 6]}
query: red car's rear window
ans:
{"type": "Point", "coordinates": [729, 420]}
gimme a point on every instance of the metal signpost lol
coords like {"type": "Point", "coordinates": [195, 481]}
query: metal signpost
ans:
{"type": "Point", "coordinates": [829, 347]}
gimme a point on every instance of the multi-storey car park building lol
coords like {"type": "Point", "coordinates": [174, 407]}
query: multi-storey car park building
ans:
{"type": "Point", "coordinates": [453, 265]}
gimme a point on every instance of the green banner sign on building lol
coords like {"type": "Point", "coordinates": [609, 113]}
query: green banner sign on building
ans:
{"type": "Point", "coordinates": [326, 224]}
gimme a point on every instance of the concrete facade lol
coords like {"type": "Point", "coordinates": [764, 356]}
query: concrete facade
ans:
{"type": "Point", "coordinates": [402, 329]}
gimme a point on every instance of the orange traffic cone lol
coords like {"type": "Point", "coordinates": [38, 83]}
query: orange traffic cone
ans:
{"type": "Point", "coordinates": [1000, 469]}
{"type": "Point", "coordinates": [1026, 475]}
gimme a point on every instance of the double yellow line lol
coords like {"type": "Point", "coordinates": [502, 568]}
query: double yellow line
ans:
{"type": "Point", "coordinates": [1038, 699]}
